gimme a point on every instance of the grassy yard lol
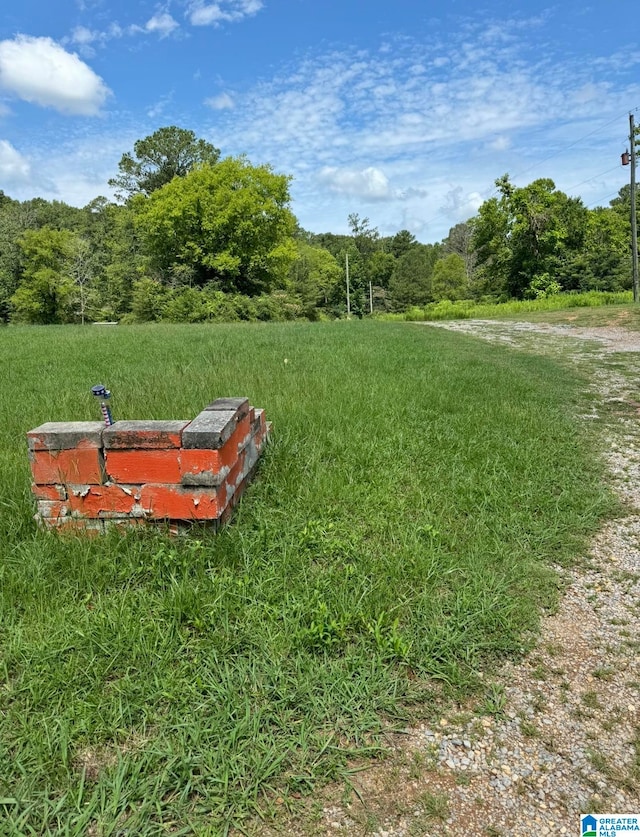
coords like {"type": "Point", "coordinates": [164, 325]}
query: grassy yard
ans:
{"type": "Point", "coordinates": [396, 543]}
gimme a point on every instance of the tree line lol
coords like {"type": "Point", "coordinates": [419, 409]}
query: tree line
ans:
{"type": "Point", "coordinates": [196, 237]}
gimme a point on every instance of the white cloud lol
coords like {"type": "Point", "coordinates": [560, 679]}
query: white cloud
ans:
{"type": "Point", "coordinates": [74, 169]}
{"type": "Point", "coordinates": [369, 184]}
{"type": "Point", "coordinates": [40, 71]}
{"type": "Point", "coordinates": [14, 168]}
{"type": "Point", "coordinates": [458, 204]}
{"type": "Point", "coordinates": [83, 36]}
{"type": "Point", "coordinates": [160, 107]}
{"type": "Point", "coordinates": [422, 127]}
{"type": "Point", "coordinates": [500, 143]}
{"type": "Point", "coordinates": [161, 23]}
{"type": "Point", "coordinates": [223, 11]}
{"type": "Point", "coordinates": [222, 101]}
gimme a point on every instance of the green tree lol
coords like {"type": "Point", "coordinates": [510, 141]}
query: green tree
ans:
{"type": "Point", "coordinates": [126, 261]}
{"type": "Point", "coordinates": [525, 234]}
{"type": "Point", "coordinates": [365, 237]}
{"type": "Point", "coordinates": [401, 242]}
{"type": "Point", "coordinates": [13, 223]}
{"type": "Point", "coordinates": [605, 261]}
{"type": "Point", "coordinates": [314, 277]}
{"type": "Point", "coordinates": [46, 293]}
{"type": "Point", "coordinates": [460, 241]}
{"type": "Point", "coordinates": [379, 268]}
{"type": "Point", "coordinates": [411, 283]}
{"type": "Point", "coordinates": [449, 278]}
{"type": "Point", "coordinates": [230, 222]}
{"type": "Point", "coordinates": [54, 214]}
{"type": "Point", "coordinates": [336, 244]}
{"type": "Point", "coordinates": [167, 153]}
{"type": "Point", "coordinates": [148, 301]}
{"type": "Point", "coordinates": [548, 228]}
{"type": "Point", "coordinates": [491, 233]}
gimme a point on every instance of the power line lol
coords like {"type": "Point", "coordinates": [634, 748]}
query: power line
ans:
{"type": "Point", "coordinates": [572, 145]}
{"type": "Point", "coordinates": [491, 191]}
{"type": "Point", "coordinates": [589, 179]}
{"type": "Point", "coordinates": [606, 198]}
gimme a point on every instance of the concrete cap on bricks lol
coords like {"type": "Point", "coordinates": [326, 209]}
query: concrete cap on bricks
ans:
{"type": "Point", "coordinates": [65, 435]}
{"type": "Point", "coordinates": [143, 435]}
{"type": "Point", "coordinates": [239, 405]}
{"type": "Point", "coordinates": [210, 429]}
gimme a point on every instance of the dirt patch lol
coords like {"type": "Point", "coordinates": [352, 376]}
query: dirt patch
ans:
{"type": "Point", "coordinates": [93, 761]}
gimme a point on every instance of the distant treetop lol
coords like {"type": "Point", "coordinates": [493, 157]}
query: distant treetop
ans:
{"type": "Point", "coordinates": [167, 153]}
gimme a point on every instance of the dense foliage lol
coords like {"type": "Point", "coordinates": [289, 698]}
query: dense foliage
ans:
{"type": "Point", "coordinates": [198, 238]}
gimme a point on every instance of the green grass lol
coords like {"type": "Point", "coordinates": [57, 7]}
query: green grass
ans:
{"type": "Point", "coordinates": [591, 308]}
{"type": "Point", "coordinates": [397, 540]}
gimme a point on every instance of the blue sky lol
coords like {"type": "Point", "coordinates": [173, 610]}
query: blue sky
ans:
{"type": "Point", "coordinates": [402, 111]}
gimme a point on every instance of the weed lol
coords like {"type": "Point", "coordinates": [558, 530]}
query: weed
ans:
{"type": "Point", "coordinates": [495, 700]}
{"type": "Point", "coordinates": [606, 673]}
{"type": "Point", "coordinates": [419, 762]}
{"type": "Point", "coordinates": [591, 700]}
{"type": "Point", "coordinates": [539, 702]}
{"type": "Point", "coordinates": [529, 729]}
{"type": "Point", "coordinates": [595, 805]}
{"type": "Point", "coordinates": [434, 805]}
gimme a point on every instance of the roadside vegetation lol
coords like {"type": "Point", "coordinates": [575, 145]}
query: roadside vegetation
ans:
{"type": "Point", "coordinates": [396, 546]}
{"type": "Point", "coordinates": [593, 307]}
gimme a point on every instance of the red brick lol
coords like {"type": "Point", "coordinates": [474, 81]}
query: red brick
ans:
{"type": "Point", "coordinates": [207, 462]}
{"type": "Point", "coordinates": [170, 502]}
{"type": "Point", "coordinates": [195, 461]}
{"type": "Point", "coordinates": [233, 479]}
{"type": "Point", "coordinates": [53, 509]}
{"type": "Point", "coordinates": [239, 437]}
{"type": "Point", "coordinates": [140, 466]}
{"type": "Point", "coordinates": [234, 499]}
{"type": "Point", "coordinates": [77, 465]}
{"type": "Point", "coordinates": [144, 435]}
{"type": "Point", "coordinates": [100, 500]}
{"type": "Point", "coordinates": [49, 492]}
{"type": "Point", "coordinates": [66, 435]}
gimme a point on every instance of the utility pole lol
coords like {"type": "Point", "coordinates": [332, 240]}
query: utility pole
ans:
{"type": "Point", "coordinates": [634, 225]}
{"type": "Point", "coordinates": [348, 297]}
{"type": "Point", "coordinates": [370, 298]}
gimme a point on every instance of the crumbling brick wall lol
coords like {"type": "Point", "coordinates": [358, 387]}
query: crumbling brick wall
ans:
{"type": "Point", "coordinates": [87, 476]}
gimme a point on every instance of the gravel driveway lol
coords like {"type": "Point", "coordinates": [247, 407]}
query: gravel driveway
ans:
{"type": "Point", "coordinates": [564, 736]}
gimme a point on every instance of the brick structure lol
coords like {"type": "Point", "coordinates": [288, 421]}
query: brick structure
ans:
{"type": "Point", "coordinates": [87, 476]}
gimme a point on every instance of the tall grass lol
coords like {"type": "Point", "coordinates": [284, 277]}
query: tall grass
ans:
{"type": "Point", "coordinates": [465, 309]}
{"type": "Point", "coordinates": [397, 542]}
